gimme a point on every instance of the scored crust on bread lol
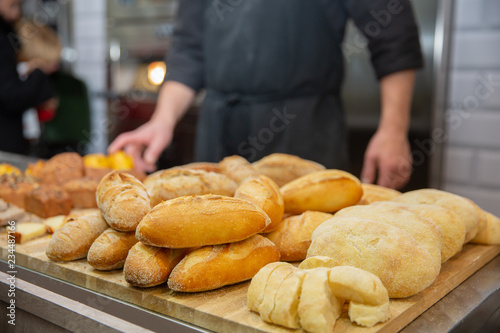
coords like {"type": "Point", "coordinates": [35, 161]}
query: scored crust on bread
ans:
{"type": "Point", "coordinates": [283, 168]}
{"type": "Point", "coordinates": [286, 301]}
{"type": "Point", "coordinates": [110, 249]}
{"type": "Point", "coordinates": [194, 221]}
{"type": "Point", "coordinates": [318, 309]}
{"type": "Point", "coordinates": [422, 230]}
{"type": "Point", "coordinates": [373, 193]}
{"type": "Point", "coordinates": [324, 191]}
{"type": "Point", "coordinates": [455, 203]}
{"type": "Point", "coordinates": [264, 193]}
{"type": "Point", "coordinates": [237, 168]}
{"type": "Point", "coordinates": [258, 284]}
{"type": "Point", "coordinates": [212, 267]}
{"type": "Point", "coordinates": [122, 200]}
{"type": "Point", "coordinates": [173, 183]}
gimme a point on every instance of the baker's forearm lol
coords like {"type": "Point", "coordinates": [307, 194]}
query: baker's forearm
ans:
{"type": "Point", "coordinates": [173, 102]}
{"type": "Point", "coordinates": [396, 95]}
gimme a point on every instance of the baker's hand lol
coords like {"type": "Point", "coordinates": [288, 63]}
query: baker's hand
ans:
{"type": "Point", "coordinates": [144, 144]}
{"type": "Point", "coordinates": [389, 155]}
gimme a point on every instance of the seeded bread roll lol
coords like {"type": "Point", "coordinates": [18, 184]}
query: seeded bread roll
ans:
{"type": "Point", "coordinates": [325, 191]}
{"type": "Point", "coordinates": [403, 265]}
{"type": "Point", "coordinates": [237, 168]}
{"type": "Point", "coordinates": [453, 202]}
{"type": "Point", "coordinates": [212, 267]}
{"type": "Point", "coordinates": [122, 200]}
{"type": "Point", "coordinates": [148, 266]}
{"type": "Point", "coordinates": [110, 249]}
{"type": "Point", "coordinates": [173, 183]}
{"type": "Point", "coordinates": [373, 193]}
{"type": "Point", "coordinates": [195, 221]}
{"type": "Point", "coordinates": [293, 235]}
{"type": "Point", "coordinates": [265, 194]}
{"type": "Point", "coordinates": [283, 168]}
{"type": "Point", "coordinates": [73, 240]}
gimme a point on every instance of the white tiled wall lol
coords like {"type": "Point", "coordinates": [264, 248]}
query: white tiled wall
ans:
{"type": "Point", "coordinates": [472, 155]}
{"type": "Point", "coordinates": [89, 35]}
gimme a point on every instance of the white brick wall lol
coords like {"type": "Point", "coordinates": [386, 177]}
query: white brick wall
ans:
{"type": "Point", "coordinates": [89, 35]}
{"type": "Point", "coordinates": [472, 154]}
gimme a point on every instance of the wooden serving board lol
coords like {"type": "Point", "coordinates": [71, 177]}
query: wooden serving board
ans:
{"type": "Point", "coordinates": [224, 310]}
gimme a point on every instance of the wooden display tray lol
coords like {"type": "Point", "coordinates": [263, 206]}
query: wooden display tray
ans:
{"type": "Point", "coordinates": [224, 310]}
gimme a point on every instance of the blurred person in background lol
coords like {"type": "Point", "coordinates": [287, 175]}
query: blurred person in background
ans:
{"type": "Point", "coordinates": [273, 72]}
{"type": "Point", "coordinates": [16, 95]}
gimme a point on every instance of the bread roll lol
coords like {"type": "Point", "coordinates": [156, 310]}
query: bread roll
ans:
{"type": "Point", "coordinates": [237, 168]}
{"type": "Point", "coordinates": [74, 239]}
{"type": "Point", "coordinates": [451, 225]}
{"type": "Point", "coordinates": [265, 194]}
{"type": "Point", "coordinates": [62, 168]}
{"type": "Point", "coordinates": [286, 301]}
{"type": "Point", "coordinates": [122, 200]}
{"type": "Point", "coordinates": [283, 168]}
{"type": "Point", "coordinates": [293, 235]}
{"type": "Point", "coordinates": [318, 309]}
{"type": "Point", "coordinates": [491, 234]}
{"type": "Point", "coordinates": [403, 265]}
{"type": "Point", "coordinates": [373, 193]}
{"type": "Point", "coordinates": [369, 315]}
{"type": "Point", "coordinates": [148, 266]}
{"type": "Point", "coordinates": [110, 249]}
{"type": "Point", "coordinates": [453, 202]}
{"type": "Point", "coordinates": [324, 191]}
{"type": "Point", "coordinates": [203, 166]}
{"type": "Point", "coordinates": [201, 220]}
{"type": "Point", "coordinates": [258, 284]}
{"type": "Point", "coordinates": [212, 267]}
{"type": "Point", "coordinates": [173, 183]}
{"type": "Point", "coordinates": [422, 230]}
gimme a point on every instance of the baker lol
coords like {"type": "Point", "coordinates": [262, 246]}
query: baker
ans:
{"type": "Point", "coordinates": [273, 73]}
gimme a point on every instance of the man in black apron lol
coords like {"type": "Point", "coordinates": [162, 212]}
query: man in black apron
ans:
{"type": "Point", "coordinates": [273, 72]}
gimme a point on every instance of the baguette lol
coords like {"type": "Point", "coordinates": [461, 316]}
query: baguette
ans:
{"type": "Point", "coordinates": [237, 168]}
{"type": "Point", "coordinates": [110, 249]}
{"type": "Point", "coordinates": [283, 168]}
{"type": "Point", "coordinates": [173, 183]}
{"type": "Point", "coordinates": [325, 191]}
{"type": "Point", "coordinates": [293, 235]}
{"type": "Point", "coordinates": [264, 193]}
{"type": "Point", "coordinates": [74, 239]}
{"type": "Point", "coordinates": [212, 267]}
{"type": "Point", "coordinates": [122, 200]}
{"type": "Point", "coordinates": [195, 221]}
{"type": "Point", "coordinates": [149, 266]}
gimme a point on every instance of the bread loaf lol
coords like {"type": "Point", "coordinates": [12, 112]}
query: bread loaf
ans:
{"type": "Point", "coordinates": [14, 189]}
{"type": "Point", "coordinates": [62, 168]}
{"type": "Point", "coordinates": [173, 183]}
{"type": "Point", "coordinates": [324, 191]}
{"type": "Point", "coordinates": [453, 202]}
{"type": "Point", "coordinates": [237, 168]}
{"type": "Point", "coordinates": [403, 265]}
{"type": "Point", "coordinates": [283, 168]}
{"type": "Point", "coordinates": [74, 239]}
{"type": "Point", "coordinates": [110, 249]}
{"type": "Point", "coordinates": [265, 194]}
{"type": "Point", "coordinates": [82, 192]}
{"type": "Point", "coordinates": [373, 193]}
{"type": "Point", "coordinates": [293, 235]}
{"type": "Point", "coordinates": [47, 201]}
{"type": "Point", "coordinates": [212, 267]}
{"type": "Point", "coordinates": [422, 230]}
{"type": "Point", "coordinates": [148, 266]}
{"type": "Point", "coordinates": [122, 200]}
{"type": "Point", "coordinates": [194, 221]}
{"type": "Point", "coordinates": [491, 234]}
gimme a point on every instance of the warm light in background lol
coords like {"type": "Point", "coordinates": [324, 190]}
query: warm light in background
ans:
{"type": "Point", "coordinates": [156, 72]}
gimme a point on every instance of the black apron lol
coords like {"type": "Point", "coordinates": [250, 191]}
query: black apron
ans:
{"type": "Point", "coordinates": [273, 71]}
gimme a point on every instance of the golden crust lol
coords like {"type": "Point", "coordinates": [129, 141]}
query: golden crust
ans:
{"type": "Point", "coordinates": [237, 168]}
{"type": "Point", "coordinates": [373, 193]}
{"type": "Point", "coordinates": [110, 249]}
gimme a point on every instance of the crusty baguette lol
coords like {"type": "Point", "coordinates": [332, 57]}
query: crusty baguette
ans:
{"type": "Point", "coordinates": [148, 266]}
{"type": "Point", "coordinates": [74, 239]}
{"type": "Point", "coordinates": [373, 193]}
{"type": "Point", "coordinates": [324, 191]}
{"type": "Point", "coordinates": [194, 221]}
{"type": "Point", "coordinates": [293, 235]}
{"type": "Point", "coordinates": [173, 183]}
{"type": "Point", "coordinates": [237, 168]}
{"type": "Point", "coordinates": [122, 200]}
{"type": "Point", "coordinates": [263, 192]}
{"type": "Point", "coordinates": [283, 168]}
{"type": "Point", "coordinates": [212, 267]}
{"type": "Point", "coordinates": [491, 234]}
{"type": "Point", "coordinates": [27, 231]}
{"type": "Point", "coordinates": [110, 249]}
